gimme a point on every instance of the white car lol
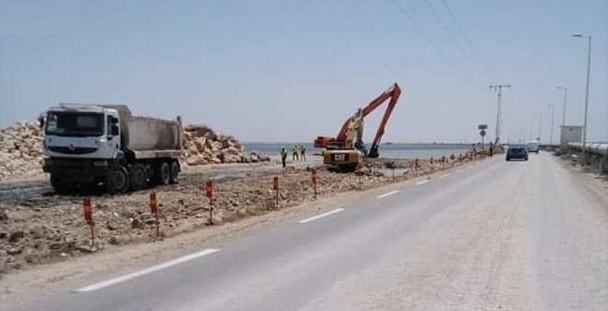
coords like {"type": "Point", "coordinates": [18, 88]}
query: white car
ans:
{"type": "Point", "coordinates": [532, 146]}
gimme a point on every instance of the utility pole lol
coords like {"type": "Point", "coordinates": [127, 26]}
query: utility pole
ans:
{"type": "Point", "coordinates": [564, 103]}
{"type": "Point", "coordinates": [551, 128]}
{"type": "Point", "coordinates": [578, 35]}
{"type": "Point", "coordinates": [498, 88]}
{"type": "Point", "coordinates": [540, 125]}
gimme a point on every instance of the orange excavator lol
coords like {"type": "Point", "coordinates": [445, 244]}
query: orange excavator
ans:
{"type": "Point", "coordinates": [346, 151]}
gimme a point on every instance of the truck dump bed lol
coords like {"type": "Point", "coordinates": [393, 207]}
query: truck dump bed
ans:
{"type": "Point", "coordinates": [149, 137]}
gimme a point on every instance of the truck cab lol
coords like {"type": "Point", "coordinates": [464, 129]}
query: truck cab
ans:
{"type": "Point", "coordinates": [82, 132]}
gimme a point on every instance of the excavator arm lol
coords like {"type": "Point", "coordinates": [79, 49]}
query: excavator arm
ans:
{"type": "Point", "coordinates": [393, 94]}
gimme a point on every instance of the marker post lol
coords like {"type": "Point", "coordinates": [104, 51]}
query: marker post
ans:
{"type": "Point", "coordinates": [88, 217]}
{"type": "Point", "coordinates": [154, 210]}
{"type": "Point", "coordinates": [209, 195]}
{"type": "Point", "coordinates": [275, 187]}
{"type": "Point", "coordinates": [313, 177]}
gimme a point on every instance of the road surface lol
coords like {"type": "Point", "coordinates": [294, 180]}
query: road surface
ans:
{"type": "Point", "coordinates": [494, 235]}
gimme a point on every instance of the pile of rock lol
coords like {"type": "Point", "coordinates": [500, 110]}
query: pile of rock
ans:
{"type": "Point", "coordinates": [202, 145]}
{"type": "Point", "coordinates": [20, 150]}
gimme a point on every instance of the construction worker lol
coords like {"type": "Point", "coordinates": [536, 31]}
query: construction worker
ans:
{"type": "Point", "coordinates": [283, 154]}
{"type": "Point", "coordinates": [302, 153]}
{"type": "Point", "coordinates": [294, 152]}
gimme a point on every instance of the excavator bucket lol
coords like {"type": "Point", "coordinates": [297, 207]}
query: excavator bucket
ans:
{"type": "Point", "coordinates": [373, 152]}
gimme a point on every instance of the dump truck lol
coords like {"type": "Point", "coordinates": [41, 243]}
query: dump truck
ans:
{"type": "Point", "coordinates": [105, 145]}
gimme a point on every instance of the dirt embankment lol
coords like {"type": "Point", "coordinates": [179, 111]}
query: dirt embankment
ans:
{"type": "Point", "coordinates": [33, 233]}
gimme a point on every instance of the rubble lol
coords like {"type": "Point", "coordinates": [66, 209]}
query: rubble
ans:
{"type": "Point", "coordinates": [202, 145]}
{"type": "Point", "coordinates": [20, 150]}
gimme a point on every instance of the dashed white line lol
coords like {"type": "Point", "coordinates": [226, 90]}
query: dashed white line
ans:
{"type": "Point", "coordinates": [422, 182]}
{"type": "Point", "coordinates": [444, 175]}
{"type": "Point", "coordinates": [387, 194]}
{"type": "Point", "coordinates": [155, 268]}
{"type": "Point", "coordinates": [337, 210]}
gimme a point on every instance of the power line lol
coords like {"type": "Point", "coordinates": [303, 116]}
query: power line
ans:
{"type": "Point", "coordinates": [447, 30]}
{"type": "Point", "coordinates": [417, 27]}
{"type": "Point", "coordinates": [466, 38]}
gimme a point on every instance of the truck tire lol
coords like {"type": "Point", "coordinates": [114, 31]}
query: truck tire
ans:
{"type": "Point", "coordinates": [138, 176]}
{"type": "Point", "coordinates": [163, 173]}
{"type": "Point", "coordinates": [61, 186]}
{"type": "Point", "coordinates": [118, 180]}
{"type": "Point", "coordinates": [174, 172]}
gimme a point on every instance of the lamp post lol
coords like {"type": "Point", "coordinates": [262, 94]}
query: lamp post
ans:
{"type": "Point", "coordinates": [551, 126]}
{"type": "Point", "coordinates": [564, 103]}
{"type": "Point", "coordinates": [578, 35]}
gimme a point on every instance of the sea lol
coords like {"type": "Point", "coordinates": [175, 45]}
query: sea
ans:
{"type": "Point", "coordinates": [386, 150]}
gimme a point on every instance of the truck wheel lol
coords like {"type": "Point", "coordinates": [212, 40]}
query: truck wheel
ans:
{"type": "Point", "coordinates": [138, 177]}
{"type": "Point", "coordinates": [60, 186]}
{"type": "Point", "coordinates": [118, 180]}
{"type": "Point", "coordinates": [174, 172]}
{"type": "Point", "coordinates": [164, 173]}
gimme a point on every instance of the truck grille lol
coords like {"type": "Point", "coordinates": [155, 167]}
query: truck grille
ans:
{"type": "Point", "coordinates": [75, 150]}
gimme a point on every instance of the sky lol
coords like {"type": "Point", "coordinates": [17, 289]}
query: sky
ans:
{"type": "Point", "coordinates": [276, 71]}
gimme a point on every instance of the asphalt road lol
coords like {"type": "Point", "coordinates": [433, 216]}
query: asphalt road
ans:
{"type": "Point", "coordinates": [494, 235]}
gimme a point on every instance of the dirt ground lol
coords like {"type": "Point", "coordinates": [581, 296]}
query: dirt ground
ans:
{"type": "Point", "coordinates": [37, 226]}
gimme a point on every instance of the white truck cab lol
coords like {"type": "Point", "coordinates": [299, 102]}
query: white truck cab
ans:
{"type": "Point", "coordinates": [82, 131]}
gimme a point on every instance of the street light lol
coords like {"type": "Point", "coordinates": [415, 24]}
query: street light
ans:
{"type": "Point", "coordinates": [579, 35]}
{"type": "Point", "coordinates": [551, 128]}
{"type": "Point", "coordinates": [564, 104]}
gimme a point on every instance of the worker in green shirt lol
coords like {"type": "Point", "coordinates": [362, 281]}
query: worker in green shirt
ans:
{"type": "Point", "coordinates": [295, 152]}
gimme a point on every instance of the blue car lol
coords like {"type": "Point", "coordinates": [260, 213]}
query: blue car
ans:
{"type": "Point", "coordinates": [517, 152]}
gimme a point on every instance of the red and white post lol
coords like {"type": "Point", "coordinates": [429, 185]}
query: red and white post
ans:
{"type": "Point", "coordinates": [275, 187]}
{"type": "Point", "coordinates": [88, 217]}
{"type": "Point", "coordinates": [154, 211]}
{"type": "Point", "coordinates": [209, 195]}
{"type": "Point", "coordinates": [313, 177]}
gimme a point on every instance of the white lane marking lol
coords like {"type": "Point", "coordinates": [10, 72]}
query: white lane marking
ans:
{"type": "Point", "coordinates": [444, 175]}
{"type": "Point", "coordinates": [151, 269]}
{"type": "Point", "coordinates": [387, 194]}
{"type": "Point", "coordinates": [337, 210]}
{"type": "Point", "coordinates": [422, 182]}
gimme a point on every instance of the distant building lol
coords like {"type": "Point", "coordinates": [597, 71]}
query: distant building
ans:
{"type": "Point", "coordinates": [571, 134]}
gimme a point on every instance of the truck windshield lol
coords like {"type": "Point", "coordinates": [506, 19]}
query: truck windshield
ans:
{"type": "Point", "coordinates": [75, 124]}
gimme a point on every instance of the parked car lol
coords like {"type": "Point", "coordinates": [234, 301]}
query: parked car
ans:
{"type": "Point", "coordinates": [517, 152]}
{"type": "Point", "coordinates": [532, 146]}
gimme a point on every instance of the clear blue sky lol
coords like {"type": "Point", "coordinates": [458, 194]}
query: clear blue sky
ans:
{"type": "Point", "coordinates": [291, 70]}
